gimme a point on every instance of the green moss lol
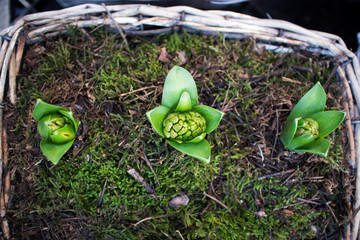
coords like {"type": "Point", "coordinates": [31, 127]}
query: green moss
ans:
{"type": "Point", "coordinates": [120, 136]}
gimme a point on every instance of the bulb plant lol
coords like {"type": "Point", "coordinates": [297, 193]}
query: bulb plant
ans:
{"type": "Point", "coordinates": [180, 120]}
{"type": "Point", "coordinates": [57, 128]}
{"type": "Point", "coordinates": [308, 124]}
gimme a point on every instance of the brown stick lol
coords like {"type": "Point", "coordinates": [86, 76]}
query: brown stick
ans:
{"type": "Point", "coordinates": [149, 164]}
{"type": "Point", "coordinates": [139, 179]}
{"type": "Point", "coordinates": [213, 198]}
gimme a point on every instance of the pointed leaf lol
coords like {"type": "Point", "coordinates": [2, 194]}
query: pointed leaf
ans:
{"type": "Point", "coordinates": [70, 115]}
{"type": "Point", "coordinates": [42, 108]}
{"type": "Point", "coordinates": [328, 121]}
{"type": "Point", "coordinates": [156, 117]}
{"type": "Point", "coordinates": [320, 147]}
{"type": "Point", "coordinates": [312, 102]}
{"type": "Point", "coordinates": [54, 152]}
{"type": "Point", "coordinates": [300, 141]}
{"type": "Point", "coordinates": [212, 116]}
{"type": "Point", "coordinates": [198, 138]}
{"type": "Point", "coordinates": [184, 103]}
{"type": "Point", "coordinates": [177, 81]}
{"type": "Point", "coordinates": [289, 131]}
{"type": "Point", "coordinates": [200, 150]}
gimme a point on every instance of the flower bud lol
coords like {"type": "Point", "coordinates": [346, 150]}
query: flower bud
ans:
{"type": "Point", "coordinates": [183, 126]}
{"type": "Point", "coordinates": [56, 128]}
{"type": "Point", "coordinates": [307, 126]}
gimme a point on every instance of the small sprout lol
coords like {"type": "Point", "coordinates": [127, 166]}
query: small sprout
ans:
{"type": "Point", "coordinates": [308, 124]}
{"type": "Point", "coordinates": [180, 120]}
{"type": "Point", "coordinates": [57, 128]}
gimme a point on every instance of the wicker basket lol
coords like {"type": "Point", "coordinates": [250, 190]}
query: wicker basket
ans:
{"type": "Point", "coordinates": [131, 19]}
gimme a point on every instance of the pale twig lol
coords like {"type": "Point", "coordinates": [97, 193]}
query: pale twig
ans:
{"type": "Point", "coordinates": [216, 200]}
{"type": "Point", "coordinates": [149, 164]}
{"type": "Point", "coordinates": [139, 179]}
{"type": "Point", "coordinates": [137, 90]}
{"type": "Point", "coordinates": [276, 135]}
{"type": "Point", "coordinates": [276, 174]}
{"type": "Point", "coordinates": [117, 26]}
{"type": "Point", "coordinates": [149, 218]}
{"type": "Point", "coordinates": [178, 232]}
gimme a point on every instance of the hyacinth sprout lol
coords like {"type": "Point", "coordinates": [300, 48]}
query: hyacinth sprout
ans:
{"type": "Point", "coordinates": [180, 120]}
{"type": "Point", "coordinates": [308, 124]}
{"type": "Point", "coordinates": [57, 128]}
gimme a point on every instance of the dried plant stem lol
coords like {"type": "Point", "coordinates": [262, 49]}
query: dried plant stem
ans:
{"type": "Point", "coordinates": [117, 26]}
{"type": "Point", "coordinates": [149, 218]}
{"type": "Point", "coordinates": [152, 170]}
{"type": "Point", "coordinates": [216, 200]}
{"type": "Point", "coordinates": [139, 179]}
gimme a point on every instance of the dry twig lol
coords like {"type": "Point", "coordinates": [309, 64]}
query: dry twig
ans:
{"type": "Point", "coordinates": [216, 200]}
{"type": "Point", "coordinates": [139, 179]}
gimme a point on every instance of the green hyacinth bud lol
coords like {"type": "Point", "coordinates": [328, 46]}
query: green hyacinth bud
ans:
{"type": "Point", "coordinates": [183, 126]}
{"type": "Point", "coordinates": [56, 128]}
{"type": "Point", "coordinates": [307, 126]}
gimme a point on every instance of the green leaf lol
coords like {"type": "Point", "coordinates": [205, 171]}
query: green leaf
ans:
{"type": "Point", "coordinates": [300, 141]}
{"type": "Point", "coordinates": [70, 115]}
{"type": "Point", "coordinates": [53, 151]}
{"type": "Point", "coordinates": [184, 104]}
{"type": "Point", "coordinates": [289, 131]}
{"type": "Point", "coordinates": [320, 147]}
{"type": "Point", "coordinates": [312, 102]}
{"type": "Point", "coordinates": [42, 126]}
{"type": "Point", "coordinates": [63, 135]}
{"type": "Point", "coordinates": [200, 150]}
{"type": "Point", "coordinates": [212, 116]}
{"type": "Point", "coordinates": [156, 117]}
{"type": "Point", "coordinates": [178, 81]}
{"type": "Point", "coordinates": [42, 108]}
{"type": "Point", "coordinates": [198, 138]}
{"type": "Point", "coordinates": [328, 121]}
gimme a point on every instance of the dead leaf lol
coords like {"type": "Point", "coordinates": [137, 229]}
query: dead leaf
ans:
{"type": "Point", "coordinates": [164, 56]}
{"type": "Point", "coordinates": [288, 212]}
{"type": "Point", "coordinates": [182, 57]}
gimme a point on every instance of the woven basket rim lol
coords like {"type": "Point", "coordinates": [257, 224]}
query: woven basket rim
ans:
{"type": "Point", "coordinates": [130, 19]}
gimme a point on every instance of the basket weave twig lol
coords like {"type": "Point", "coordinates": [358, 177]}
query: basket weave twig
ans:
{"type": "Point", "coordinates": [131, 19]}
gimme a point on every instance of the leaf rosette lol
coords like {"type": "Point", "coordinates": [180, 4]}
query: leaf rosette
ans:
{"type": "Point", "coordinates": [308, 124]}
{"type": "Point", "coordinates": [180, 120]}
{"type": "Point", "coordinates": [57, 128]}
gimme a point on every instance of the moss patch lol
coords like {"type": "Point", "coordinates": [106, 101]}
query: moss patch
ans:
{"type": "Point", "coordinates": [252, 189]}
